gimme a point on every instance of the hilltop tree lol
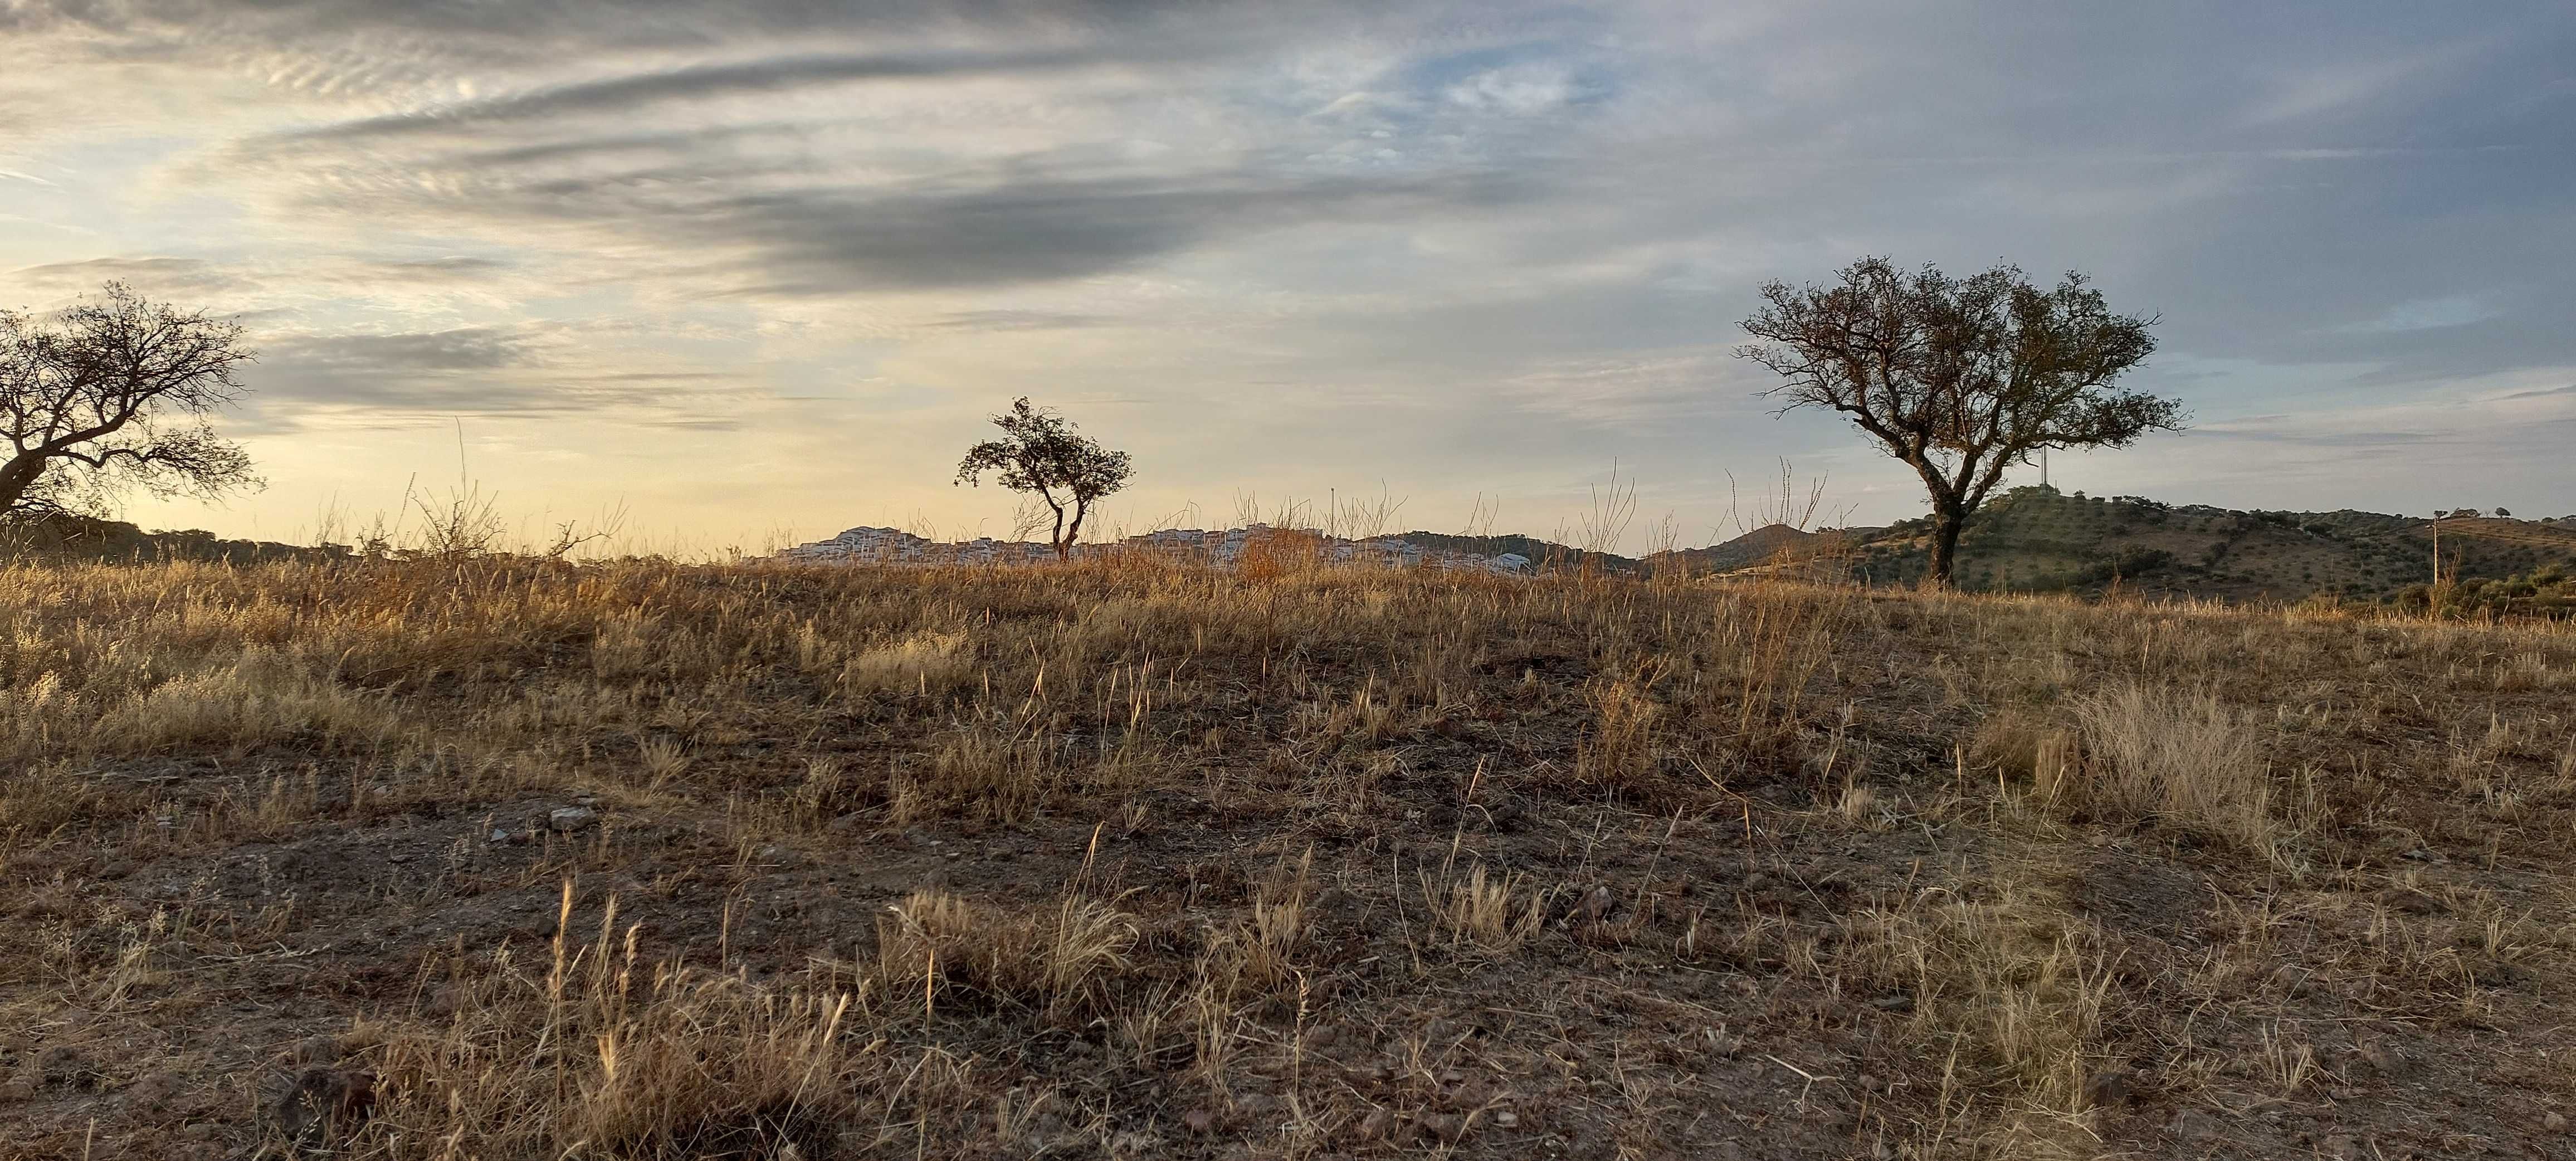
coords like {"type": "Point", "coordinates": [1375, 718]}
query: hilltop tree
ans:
{"type": "Point", "coordinates": [113, 394]}
{"type": "Point", "coordinates": [1959, 378]}
{"type": "Point", "coordinates": [1041, 454]}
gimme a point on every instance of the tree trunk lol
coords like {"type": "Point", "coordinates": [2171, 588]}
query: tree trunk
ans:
{"type": "Point", "coordinates": [1947, 523]}
{"type": "Point", "coordinates": [1064, 546]}
{"type": "Point", "coordinates": [16, 477]}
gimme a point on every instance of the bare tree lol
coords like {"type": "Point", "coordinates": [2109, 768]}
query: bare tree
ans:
{"type": "Point", "coordinates": [1041, 454]}
{"type": "Point", "coordinates": [113, 394]}
{"type": "Point", "coordinates": [1959, 378]}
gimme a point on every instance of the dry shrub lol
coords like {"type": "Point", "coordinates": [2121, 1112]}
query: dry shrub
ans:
{"type": "Point", "coordinates": [1477, 912]}
{"type": "Point", "coordinates": [1258, 952]}
{"type": "Point", "coordinates": [2013, 992]}
{"type": "Point", "coordinates": [603, 1055]}
{"type": "Point", "coordinates": [923, 663]}
{"type": "Point", "coordinates": [261, 696]}
{"type": "Point", "coordinates": [624, 646]}
{"type": "Point", "coordinates": [934, 942]}
{"type": "Point", "coordinates": [1275, 552]}
{"type": "Point", "coordinates": [1768, 641]}
{"type": "Point", "coordinates": [978, 771]}
{"type": "Point", "coordinates": [2185, 759]}
{"type": "Point", "coordinates": [1618, 748]}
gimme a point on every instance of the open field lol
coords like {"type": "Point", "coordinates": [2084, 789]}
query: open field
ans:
{"type": "Point", "coordinates": [494, 859]}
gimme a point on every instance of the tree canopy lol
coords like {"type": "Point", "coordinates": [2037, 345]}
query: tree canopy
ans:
{"type": "Point", "coordinates": [1040, 453]}
{"type": "Point", "coordinates": [1959, 378]}
{"type": "Point", "coordinates": [113, 394]}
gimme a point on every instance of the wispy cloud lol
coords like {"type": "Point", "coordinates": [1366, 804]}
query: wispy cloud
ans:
{"type": "Point", "coordinates": [1495, 241]}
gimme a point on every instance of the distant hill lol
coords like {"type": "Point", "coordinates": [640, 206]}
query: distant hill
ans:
{"type": "Point", "coordinates": [1540, 553]}
{"type": "Point", "coordinates": [2037, 539]}
{"type": "Point", "coordinates": [64, 537]}
{"type": "Point", "coordinates": [1769, 544]}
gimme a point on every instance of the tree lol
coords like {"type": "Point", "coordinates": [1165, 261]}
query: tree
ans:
{"type": "Point", "coordinates": [1959, 378]}
{"type": "Point", "coordinates": [113, 394]}
{"type": "Point", "coordinates": [1040, 453]}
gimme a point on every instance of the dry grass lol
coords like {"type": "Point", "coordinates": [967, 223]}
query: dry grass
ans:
{"type": "Point", "coordinates": [1129, 860]}
{"type": "Point", "coordinates": [2184, 758]}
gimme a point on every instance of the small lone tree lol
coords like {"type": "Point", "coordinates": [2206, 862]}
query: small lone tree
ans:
{"type": "Point", "coordinates": [113, 394]}
{"type": "Point", "coordinates": [1959, 378]}
{"type": "Point", "coordinates": [1040, 453]}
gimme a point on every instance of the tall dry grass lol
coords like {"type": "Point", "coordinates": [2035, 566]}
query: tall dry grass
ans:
{"type": "Point", "coordinates": [1596, 767]}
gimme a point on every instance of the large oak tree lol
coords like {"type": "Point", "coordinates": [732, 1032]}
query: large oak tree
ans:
{"type": "Point", "coordinates": [112, 394]}
{"type": "Point", "coordinates": [1960, 378]}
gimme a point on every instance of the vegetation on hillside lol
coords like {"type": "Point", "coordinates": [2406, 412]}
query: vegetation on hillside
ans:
{"type": "Point", "coordinates": [507, 858]}
{"type": "Point", "coordinates": [2035, 539]}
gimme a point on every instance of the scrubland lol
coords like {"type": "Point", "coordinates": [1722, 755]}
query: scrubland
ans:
{"type": "Point", "coordinates": [506, 859]}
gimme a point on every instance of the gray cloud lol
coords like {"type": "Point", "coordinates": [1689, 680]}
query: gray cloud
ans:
{"type": "Point", "coordinates": [406, 378]}
{"type": "Point", "coordinates": [626, 94]}
{"type": "Point", "coordinates": [161, 276]}
{"type": "Point", "coordinates": [1474, 239]}
{"type": "Point", "coordinates": [834, 242]}
{"type": "Point", "coordinates": [1015, 320]}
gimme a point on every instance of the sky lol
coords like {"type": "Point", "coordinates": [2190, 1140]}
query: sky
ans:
{"type": "Point", "coordinates": [758, 271]}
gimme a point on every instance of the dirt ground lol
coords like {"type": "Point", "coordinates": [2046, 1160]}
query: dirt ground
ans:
{"type": "Point", "coordinates": [501, 860]}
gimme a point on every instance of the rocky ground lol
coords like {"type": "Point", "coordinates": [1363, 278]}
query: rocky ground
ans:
{"type": "Point", "coordinates": [494, 859]}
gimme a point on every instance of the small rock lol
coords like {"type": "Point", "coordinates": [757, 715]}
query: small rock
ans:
{"type": "Point", "coordinates": [2193, 1125]}
{"type": "Point", "coordinates": [1507, 1119]}
{"type": "Point", "coordinates": [323, 1102]}
{"type": "Point", "coordinates": [571, 818]}
{"type": "Point", "coordinates": [499, 835]}
{"type": "Point", "coordinates": [1451, 1076]}
{"type": "Point", "coordinates": [152, 1092]}
{"type": "Point", "coordinates": [1199, 1120]}
{"type": "Point", "coordinates": [323, 1048]}
{"type": "Point", "coordinates": [2554, 1122]}
{"type": "Point", "coordinates": [1898, 1002]}
{"type": "Point", "coordinates": [1442, 1126]}
{"type": "Point", "coordinates": [2383, 1060]}
{"type": "Point", "coordinates": [2341, 1146]}
{"type": "Point", "coordinates": [16, 1091]}
{"type": "Point", "coordinates": [2108, 1088]}
{"type": "Point", "coordinates": [585, 800]}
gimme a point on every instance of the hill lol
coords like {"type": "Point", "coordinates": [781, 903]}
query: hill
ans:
{"type": "Point", "coordinates": [57, 536]}
{"type": "Point", "coordinates": [409, 859]}
{"type": "Point", "coordinates": [2037, 539]}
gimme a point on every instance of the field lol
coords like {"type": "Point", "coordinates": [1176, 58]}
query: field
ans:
{"type": "Point", "coordinates": [505, 859]}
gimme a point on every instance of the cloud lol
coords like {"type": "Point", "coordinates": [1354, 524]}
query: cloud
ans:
{"type": "Point", "coordinates": [403, 379]}
{"type": "Point", "coordinates": [1474, 240]}
{"type": "Point", "coordinates": [627, 94]}
{"type": "Point", "coordinates": [826, 242]}
{"type": "Point", "coordinates": [152, 276]}
{"type": "Point", "coordinates": [1015, 320]}
{"type": "Point", "coordinates": [2427, 314]}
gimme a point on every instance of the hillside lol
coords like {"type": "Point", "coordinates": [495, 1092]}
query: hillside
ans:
{"type": "Point", "coordinates": [413, 860]}
{"type": "Point", "coordinates": [64, 537]}
{"type": "Point", "coordinates": [2039, 540]}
